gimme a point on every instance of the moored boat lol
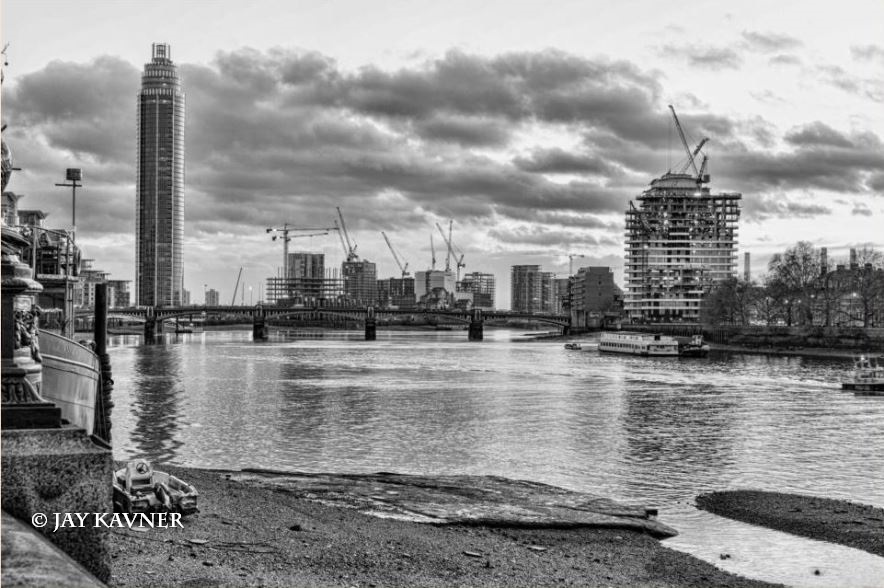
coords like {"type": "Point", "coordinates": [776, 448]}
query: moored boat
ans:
{"type": "Point", "coordinates": [867, 377]}
{"type": "Point", "coordinates": [644, 344]}
{"type": "Point", "coordinates": [573, 346]}
{"type": "Point", "coordinates": [694, 348]}
{"type": "Point", "coordinates": [71, 378]}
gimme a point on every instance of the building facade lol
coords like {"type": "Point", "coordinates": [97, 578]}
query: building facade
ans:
{"type": "Point", "coordinates": [159, 185]}
{"type": "Point", "coordinates": [212, 297]}
{"type": "Point", "coordinates": [594, 297]}
{"type": "Point", "coordinates": [360, 282]}
{"type": "Point", "coordinates": [397, 293]}
{"type": "Point", "coordinates": [118, 294]}
{"type": "Point", "coordinates": [482, 286]}
{"type": "Point", "coordinates": [680, 240]}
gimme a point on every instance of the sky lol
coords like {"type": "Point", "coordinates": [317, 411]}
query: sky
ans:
{"type": "Point", "coordinates": [529, 124]}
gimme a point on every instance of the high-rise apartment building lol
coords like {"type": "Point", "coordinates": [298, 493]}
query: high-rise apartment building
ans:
{"type": "Point", "coordinates": [360, 282]}
{"type": "Point", "coordinates": [526, 289]}
{"type": "Point", "coordinates": [159, 184]}
{"type": "Point", "coordinates": [680, 241]}
{"type": "Point", "coordinates": [213, 298]}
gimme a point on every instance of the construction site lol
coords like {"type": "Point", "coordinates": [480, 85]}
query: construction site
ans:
{"type": "Point", "coordinates": [680, 240]}
{"type": "Point", "coordinates": [304, 279]}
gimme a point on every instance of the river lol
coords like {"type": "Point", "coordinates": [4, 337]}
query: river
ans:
{"type": "Point", "coordinates": [651, 431]}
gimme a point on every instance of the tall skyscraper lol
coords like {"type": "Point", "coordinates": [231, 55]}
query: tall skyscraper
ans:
{"type": "Point", "coordinates": [159, 185]}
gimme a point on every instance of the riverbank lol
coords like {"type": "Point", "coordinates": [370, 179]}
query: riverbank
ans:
{"type": "Point", "coordinates": [250, 535]}
{"type": "Point", "coordinates": [838, 521]}
{"type": "Point", "coordinates": [818, 352]}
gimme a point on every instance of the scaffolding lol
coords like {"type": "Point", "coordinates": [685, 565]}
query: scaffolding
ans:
{"type": "Point", "coordinates": [680, 241]}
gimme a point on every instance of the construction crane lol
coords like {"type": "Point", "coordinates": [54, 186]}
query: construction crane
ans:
{"type": "Point", "coordinates": [236, 287]}
{"type": "Point", "coordinates": [684, 168]}
{"type": "Point", "coordinates": [458, 261]}
{"type": "Point", "coordinates": [285, 230]}
{"type": "Point", "coordinates": [571, 257]}
{"type": "Point", "coordinates": [684, 141]}
{"type": "Point", "coordinates": [402, 268]}
{"type": "Point", "coordinates": [349, 248]}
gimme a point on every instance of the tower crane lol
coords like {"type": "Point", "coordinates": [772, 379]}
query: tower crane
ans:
{"type": "Point", "coordinates": [350, 248]}
{"type": "Point", "coordinates": [402, 268]}
{"type": "Point", "coordinates": [458, 261]}
{"type": "Point", "coordinates": [684, 168]}
{"type": "Point", "coordinates": [236, 287]}
{"type": "Point", "coordinates": [684, 141]}
{"type": "Point", "coordinates": [285, 230]}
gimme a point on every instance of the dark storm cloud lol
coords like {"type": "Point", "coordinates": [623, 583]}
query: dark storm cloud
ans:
{"type": "Point", "coordinates": [769, 42]}
{"type": "Point", "coordinates": [77, 107]}
{"type": "Point", "coordinates": [560, 161]}
{"type": "Point", "coordinates": [467, 131]}
{"type": "Point", "coordinates": [704, 56]}
{"type": "Point", "coordinates": [817, 134]}
{"type": "Point", "coordinates": [293, 135]}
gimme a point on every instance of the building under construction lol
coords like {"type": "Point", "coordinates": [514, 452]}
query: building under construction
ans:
{"type": "Point", "coordinates": [680, 240]}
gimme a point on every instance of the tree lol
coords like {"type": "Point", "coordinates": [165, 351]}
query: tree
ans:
{"type": "Point", "coordinates": [796, 272]}
{"type": "Point", "coordinates": [728, 303]}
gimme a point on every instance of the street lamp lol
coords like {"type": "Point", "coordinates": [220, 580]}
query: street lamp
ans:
{"type": "Point", "coordinates": [74, 175]}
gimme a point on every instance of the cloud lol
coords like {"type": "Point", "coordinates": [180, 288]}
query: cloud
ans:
{"type": "Point", "coordinates": [760, 208]}
{"type": "Point", "coordinates": [861, 209]}
{"type": "Point", "coordinates": [769, 42]}
{"type": "Point", "coordinates": [785, 60]}
{"type": "Point", "coordinates": [867, 52]}
{"type": "Point", "coordinates": [547, 140]}
{"type": "Point", "coordinates": [704, 56]}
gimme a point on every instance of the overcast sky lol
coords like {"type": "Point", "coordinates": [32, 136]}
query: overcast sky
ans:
{"type": "Point", "coordinates": [531, 124]}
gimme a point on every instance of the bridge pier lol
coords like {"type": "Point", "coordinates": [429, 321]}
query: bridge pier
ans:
{"type": "Point", "coordinates": [150, 329]}
{"type": "Point", "coordinates": [371, 325]}
{"type": "Point", "coordinates": [477, 326]}
{"type": "Point", "coordinates": [566, 330]}
{"type": "Point", "coordinates": [259, 328]}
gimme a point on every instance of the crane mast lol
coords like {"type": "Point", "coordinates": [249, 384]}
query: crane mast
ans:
{"type": "Point", "coordinates": [402, 268]}
{"type": "Point", "coordinates": [684, 141]}
{"type": "Point", "coordinates": [458, 261]}
{"type": "Point", "coordinates": [236, 287]}
{"type": "Point", "coordinates": [351, 248]}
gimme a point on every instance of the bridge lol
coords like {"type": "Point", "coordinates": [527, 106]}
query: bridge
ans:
{"type": "Point", "coordinates": [154, 317]}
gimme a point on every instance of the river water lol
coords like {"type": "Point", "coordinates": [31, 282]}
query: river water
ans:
{"type": "Point", "coordinates": [651, 431]}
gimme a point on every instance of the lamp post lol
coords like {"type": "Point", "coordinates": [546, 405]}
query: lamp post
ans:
{"type": "Point", "coordinates": [74, 176]}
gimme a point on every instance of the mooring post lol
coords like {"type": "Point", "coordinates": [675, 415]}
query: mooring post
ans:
{"type": "Point", "coordinates": [371, 325]}
{"type": "Point", "coordinates": [259, 325]}
{"type": "Point", "coordinates": [150, 325]}
{"type": "Point", "coordinates": [105, 403]}
{"type": "Point", "coordinates": [476, 326]}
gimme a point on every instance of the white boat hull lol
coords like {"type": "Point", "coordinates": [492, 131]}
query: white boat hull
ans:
{"type": "Point", "coordinates": [71, 378]}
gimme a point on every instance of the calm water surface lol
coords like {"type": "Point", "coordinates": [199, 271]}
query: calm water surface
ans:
{"type": "Point", "coordinates": [650, 431]}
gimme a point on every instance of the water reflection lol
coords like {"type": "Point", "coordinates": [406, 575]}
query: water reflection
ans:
{"type": "Point", "coordinates": [157, 388]}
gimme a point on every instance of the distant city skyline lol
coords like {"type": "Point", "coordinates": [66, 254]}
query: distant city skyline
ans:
{"type": "Point", "coordinates": [530, 124]}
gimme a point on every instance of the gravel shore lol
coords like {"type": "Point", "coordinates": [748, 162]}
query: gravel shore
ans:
{"type": "Point", "coordinates": [253, 536]}
{"type": "Point", "coordinates": [838, 521]}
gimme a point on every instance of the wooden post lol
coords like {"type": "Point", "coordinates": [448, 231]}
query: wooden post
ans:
{"type": "Point", "coordinates": [104, 403]}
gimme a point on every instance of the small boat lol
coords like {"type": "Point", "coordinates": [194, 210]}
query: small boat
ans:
{"type": "Point", "coordinates": [632, 343]}
{"type": "Point", "coordinates": [573, 346]}
{"type": "Point", "coordinates": [695, 348]}
{"type": "Point", "coordinates": [140, 488]}
{"type": "Point", "coordinates": [867, 377]}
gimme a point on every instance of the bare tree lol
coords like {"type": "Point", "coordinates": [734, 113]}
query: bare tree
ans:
{"type": "Point", "coordinates": [796, 272]}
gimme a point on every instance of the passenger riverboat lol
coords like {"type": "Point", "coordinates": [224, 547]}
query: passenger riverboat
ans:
{"type": "Point", "coordinates": [645, 344]}
{"type": "Point", "coordinates": [867, 377]}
